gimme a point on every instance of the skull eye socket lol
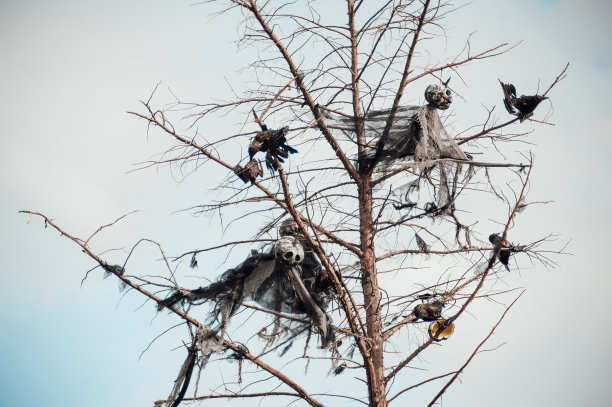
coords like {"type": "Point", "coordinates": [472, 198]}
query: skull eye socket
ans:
{"type": "Point", "coordinates": [288, 255]}
{"type": "Point", "coordinates": [297, 258]}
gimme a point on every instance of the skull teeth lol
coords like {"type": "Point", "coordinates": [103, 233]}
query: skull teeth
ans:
{"type": "Point", "coordinates": [443, 97]}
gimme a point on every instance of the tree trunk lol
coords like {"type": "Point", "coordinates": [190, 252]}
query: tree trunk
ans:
{"type": "Point", "coordinates": [371, 294]}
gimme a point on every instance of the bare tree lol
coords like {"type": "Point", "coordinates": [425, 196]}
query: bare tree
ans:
{"type": "Point", "coordinates": [360, 189]}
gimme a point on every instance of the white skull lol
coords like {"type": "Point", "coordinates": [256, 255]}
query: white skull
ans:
{"type": "Point", "coordinates": [439, 96]}
{"type": "Point", "coordinates": [289, 251]}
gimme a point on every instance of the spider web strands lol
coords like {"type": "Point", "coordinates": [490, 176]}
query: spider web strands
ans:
{"type": "Point", "coordinates": [394, 171]}
{"type": "Point", "coordinates": [407, 301]}
{"type": "Point", "coordinates": [410, 318]}
{"type": "Point", "coordinates": [181, 314]}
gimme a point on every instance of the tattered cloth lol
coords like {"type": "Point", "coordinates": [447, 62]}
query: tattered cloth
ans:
{"type": "Point", "coordinates": [417, 133]}
{"type": "Point", "coordinates": [268, 281]}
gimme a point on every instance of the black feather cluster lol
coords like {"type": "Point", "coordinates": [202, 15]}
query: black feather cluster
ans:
{"type": "Point", "coordinates": [274, 144]}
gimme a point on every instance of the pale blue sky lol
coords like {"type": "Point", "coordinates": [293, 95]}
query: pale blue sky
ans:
{"type": "Point", "coordinates": [69, 71]}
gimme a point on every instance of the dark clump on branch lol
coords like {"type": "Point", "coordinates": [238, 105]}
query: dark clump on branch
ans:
{"type": "Point", "coordinates": [238, 355]}
{"type": "Point", "coordinates": [506, 249]}
{"type": "Point", "coordinates": [289, 228]}
{"type": "Point", "coordinates": [523, 106]}
{"type": "Point", "coordinates": [113, 269]}
{"type": "Point", "coordinates": [250, 172]}
{"type": "Point", "coordinates": [428, 311]}
{"type": "Point", "coordinates": [274, 144]}
{"type": "Point", "coordinates": [339, 369]}
{"type": "Point", "coordinates": [430, 208]}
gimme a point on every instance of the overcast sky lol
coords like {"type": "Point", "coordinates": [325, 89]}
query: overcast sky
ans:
{"type": "Point", "coordinates": [69, 71]}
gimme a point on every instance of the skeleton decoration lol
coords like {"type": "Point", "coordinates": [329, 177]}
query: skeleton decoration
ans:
{"type": "Point", "coordinates": [274, 143]}
{"type": "Point", "coordinates": [523, 106]}
{"type": "Point", "coordinates": [443, 328]}
{"type": "Point", "coordinates": [416, 134]}
{"type": "Point", "coordinates": [250, 172]}
{"type": "Point", "coordinates": [506, 249]}
{"type": "Point", "coordinates": [286, 277]}
{"type": "Point", "coordinates": [428, 311]}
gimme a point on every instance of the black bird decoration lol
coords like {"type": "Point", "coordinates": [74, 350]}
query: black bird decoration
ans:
{"type": "Point", "coordinates": [523, 106]}
{"type": "Point", "coordinates": [428, 311]}
{"type": "Point", "coordinates": [506, 249]}
{"type": "Point", "coordinates": [250, 172]}
{"type": "Point", "coordinates": [339, 369]}
{"type": "Point", "coordinates": [273, 142]}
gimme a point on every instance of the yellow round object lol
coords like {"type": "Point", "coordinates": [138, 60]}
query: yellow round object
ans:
{"type": "Point", "coordinates": [445, 330]}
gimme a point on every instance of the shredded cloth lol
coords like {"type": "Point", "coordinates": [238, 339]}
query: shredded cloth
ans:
{"type": "Point", "coordinates": [287, 278]}
{"type": "Point", "coordinates": [417, 133]}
